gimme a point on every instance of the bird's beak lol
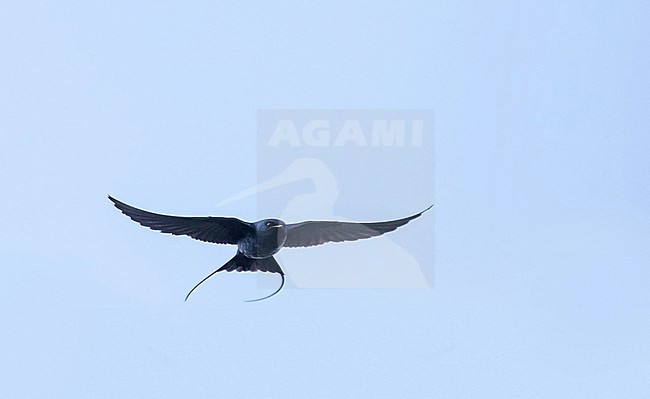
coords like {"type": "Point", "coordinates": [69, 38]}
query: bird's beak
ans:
{"type": "Point", "coordinates": [276, 226]}
{"type": "Point", "coordinates": [291, 174]}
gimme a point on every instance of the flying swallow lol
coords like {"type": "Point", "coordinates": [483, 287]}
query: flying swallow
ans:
{"type": "Point", "coordinates": [257, 242]}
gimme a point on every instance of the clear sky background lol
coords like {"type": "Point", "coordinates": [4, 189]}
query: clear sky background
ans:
{"type": "Point", "coordinates": [541, 190]}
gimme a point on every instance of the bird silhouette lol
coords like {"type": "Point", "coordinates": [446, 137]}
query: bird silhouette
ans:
{"type": "Point", "coordinates": [257, 242]}
{"type": "Point", "coordinates": [384, 263]}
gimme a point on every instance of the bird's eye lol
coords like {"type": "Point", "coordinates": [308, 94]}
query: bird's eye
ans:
{"type": "Point", "coordinates": [269, 224]}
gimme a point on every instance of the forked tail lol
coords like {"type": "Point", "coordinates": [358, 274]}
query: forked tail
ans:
{"type": "Point", "coordinates": [241, 263]}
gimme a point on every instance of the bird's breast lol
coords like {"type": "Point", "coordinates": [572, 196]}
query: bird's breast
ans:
{"type": "Point", "coordinates": [264, 244]}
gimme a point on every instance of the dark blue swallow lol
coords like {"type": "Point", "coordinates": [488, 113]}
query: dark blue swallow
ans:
{"type": "Point", "coordinates": [257, 242]}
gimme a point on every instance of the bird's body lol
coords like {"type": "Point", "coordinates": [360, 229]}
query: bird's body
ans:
{"type": "Point", "coordinates": [257, 242]}
{"type": "Point", "coordinates": [266, 239]}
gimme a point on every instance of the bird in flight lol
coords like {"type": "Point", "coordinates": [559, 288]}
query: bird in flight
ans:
{"type": "Point", "coordinates": [257, 242]}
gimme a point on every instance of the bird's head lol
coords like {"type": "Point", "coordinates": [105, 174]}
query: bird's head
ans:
{"type": "Point", "coordinates": [270, 225]}
{"type": "Point", "coordinates": [271, 233]}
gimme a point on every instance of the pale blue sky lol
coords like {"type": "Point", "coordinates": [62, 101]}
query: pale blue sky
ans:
{"type": "Point", "coordinates": [541, 191]}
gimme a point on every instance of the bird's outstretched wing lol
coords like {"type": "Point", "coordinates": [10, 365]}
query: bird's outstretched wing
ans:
{"type": "Point", "coordinates": [310, 233]}
{"type": "Point", "coordinates": [219, 230]}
